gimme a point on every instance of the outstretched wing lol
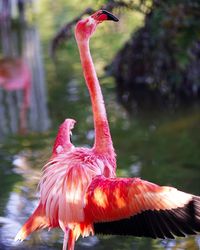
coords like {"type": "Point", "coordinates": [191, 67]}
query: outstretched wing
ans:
{"type": "Point", "coordinates": [131, 206]}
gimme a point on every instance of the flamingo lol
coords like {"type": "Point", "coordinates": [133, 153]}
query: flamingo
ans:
{"type": "Point", "coordinates": [79, 190]}
{"type": "Point", "coordinates": [15, 75]}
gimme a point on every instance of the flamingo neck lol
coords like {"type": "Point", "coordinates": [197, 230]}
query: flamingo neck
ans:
{"type": "Point", "coordinates": [103, 141]}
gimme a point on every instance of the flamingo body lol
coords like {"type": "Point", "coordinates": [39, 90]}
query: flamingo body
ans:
{"type": "Point", "coordinates": [79, 191]}
{"type": "Point", "coordinates": [70, 169]}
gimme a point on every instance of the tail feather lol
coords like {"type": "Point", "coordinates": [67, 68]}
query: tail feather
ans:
{"type": "Point", "coordinates": [36, 221]}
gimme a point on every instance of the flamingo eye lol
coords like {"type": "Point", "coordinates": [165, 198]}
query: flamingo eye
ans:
{"type": "Point", "coordinates": [90, 21]}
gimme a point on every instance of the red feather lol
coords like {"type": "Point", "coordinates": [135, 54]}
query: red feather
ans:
{"type": "Point", "coordinates": [110, 199]}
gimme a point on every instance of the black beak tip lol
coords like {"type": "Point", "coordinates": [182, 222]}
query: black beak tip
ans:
{"type": "Point", "coordinates": [110, 16]}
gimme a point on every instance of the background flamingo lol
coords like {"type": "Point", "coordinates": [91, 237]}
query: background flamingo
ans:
{"type": "Point", "coordinates": [15, 75]}
{"type": "Point", "coordinates": [79, 190]}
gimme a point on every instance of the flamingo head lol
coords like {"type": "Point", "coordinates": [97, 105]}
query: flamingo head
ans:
{"type": "Point", "coordinates": [86, 27]}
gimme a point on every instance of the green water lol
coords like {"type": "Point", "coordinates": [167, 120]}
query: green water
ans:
{"type": "Point", "coordinates": [159, 147]}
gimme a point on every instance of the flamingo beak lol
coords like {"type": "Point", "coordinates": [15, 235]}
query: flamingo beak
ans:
{"type": "Point", "coordinates": [110, 16]}
{"type": "Point", "coordinates": [104, 15]}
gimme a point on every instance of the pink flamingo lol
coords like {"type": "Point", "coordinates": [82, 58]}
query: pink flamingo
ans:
{"type": "Point", "coordinates": [80, 192]}
{"type": "Point", "coordinates": [15, 75]}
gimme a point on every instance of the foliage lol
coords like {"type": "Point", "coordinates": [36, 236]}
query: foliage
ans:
{"type": "Point", "coordinates": [160, 63]}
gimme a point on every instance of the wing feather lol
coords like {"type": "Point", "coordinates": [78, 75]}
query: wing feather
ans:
{"type": "Point", "coordinates": [131, 206]}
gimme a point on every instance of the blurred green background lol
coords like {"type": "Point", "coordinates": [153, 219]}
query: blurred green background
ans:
{"type": "Point", "coordinates": [148, 65]}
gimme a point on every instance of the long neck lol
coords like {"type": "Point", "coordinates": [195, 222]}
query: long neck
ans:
{"type": "Point", "coordinates": [103, 141]}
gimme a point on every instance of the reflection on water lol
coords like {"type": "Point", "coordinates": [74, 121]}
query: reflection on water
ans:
{"type": "Point", "coordinates": [22, 81]}
{"type": "Point", "coordinates": [15, 75]}
{"type": "Point", "coordinates": [38, 116]}
{"type": "Point", "coordinates": [9, 224]}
